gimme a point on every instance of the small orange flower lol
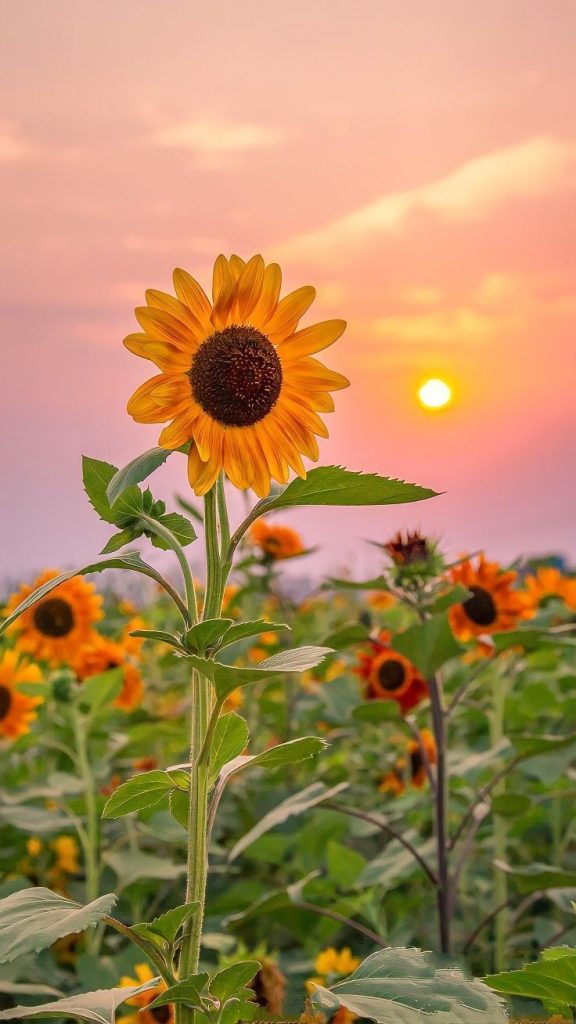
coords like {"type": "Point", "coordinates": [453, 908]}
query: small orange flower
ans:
{"type": "Point", "coordinates": [493, 607]}
{"type": "Point", "coordinates": [275, 541]}
{"type": "Point", "coordinates": [550, 582]}
{"type": "Point", "coordinates": [103, 655]}
{"type": "Point", "coordinates": [56, 627]}
{"type": "Point", "coordinates": [162, 1015]}
{"type": "Point", "coordinates": [17, 710]}
{"type": "Point", "coordinates": [390, 676]}
{"type": "Point", "coordinates": [393, 782]}
{"type": "Point", "coordinates": [418, 773]}
{"type": "Point", "coordinates": [381, 600]}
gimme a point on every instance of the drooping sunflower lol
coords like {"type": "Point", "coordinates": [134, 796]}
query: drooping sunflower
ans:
{"type": "Point", "coordinates": [549, 582]}
{"type": "Point", "coordinates": [102, 655]}
{"type": "Point", "coordinates": [494, 606]}
{"type": "Point", "coordinates": [276, 542]}
{"type": "Point", "coordinates": [238, 379]}
{"type": "Point", "coordinates": [160, 1014]}
{"type": "Point", "coordinates": [391, 676]}
{"type": "Point", "coordinates": [57, 626]}
{"type": "Point", "coordinates": [17, 710]}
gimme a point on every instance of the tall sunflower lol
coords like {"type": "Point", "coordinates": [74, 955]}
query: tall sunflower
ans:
{"type": "Point", "coordinates": [55, 628]}
{"type": "Point", "coordinates": [494, 605]}
{"type": "Point", "coordinates": [238, 379]}
{"type": "Point", "coordinates": [17, 710]}
{"type": "Point", "coordinates": [549, 582]}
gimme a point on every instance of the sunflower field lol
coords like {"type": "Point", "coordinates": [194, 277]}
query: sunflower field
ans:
{"type": "Point", "coordinates": [230, 798]}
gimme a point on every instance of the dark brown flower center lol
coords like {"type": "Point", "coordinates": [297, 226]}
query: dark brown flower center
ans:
{"type": "Point", "coordinates": [161, 1013]}
{"type": "Point", "coordinates": [54, 617]}
{"type": "Point", "coordinates": [5, 701]}
{"type": "Point", "coordinates": [236, 376]}
{"type": "Point", "coordinates": [416, 762]}
{"type": "Point", "coordinates": [391, 674]}
{"type": "Point", "coordinates": [480, 608]}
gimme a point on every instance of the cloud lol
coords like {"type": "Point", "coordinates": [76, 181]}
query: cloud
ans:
{"type": "Point", "coordinates": [212, 140]}
{"type": "Point", "coordinates": [13, 148]}
{"type": "Point", "coordinates": [537, 167]}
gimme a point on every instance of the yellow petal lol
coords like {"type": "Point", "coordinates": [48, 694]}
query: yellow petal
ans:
{"type": "Point", "coordinates": [288, 313]}
{"type": "Point", "coordinates": [192, 295]}
{"type": "Point", "coordinates": [268, 301]}
{"type": "Point", "coordinates": [180, 430]}
{"type": "Point", "coordinates": [249, 287]}
{"type": "Point", "coordinates": [236, 264]}
{"type": "Point", "coordinates": [160, 325]}
{"type": "Point", "coordinates": [167, 303]}
{"type": "Point", "coordinates": [166, 356]}
{"type": "Point", "coordinates": [312, 339]}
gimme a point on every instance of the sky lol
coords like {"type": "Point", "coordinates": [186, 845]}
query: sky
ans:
{"type": "Point", "coordinates": [415, 161]}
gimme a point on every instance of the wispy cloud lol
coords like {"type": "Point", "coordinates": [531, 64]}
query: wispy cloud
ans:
{"type": "Point", "coordinates": [537, 167]}
{"type": "Point", "coordinates": [211, 141]}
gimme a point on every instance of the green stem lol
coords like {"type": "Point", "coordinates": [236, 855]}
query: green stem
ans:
{"type": "Point", "coordinates": [500, 833]}
{"type": "Point", "coordinates": [91, 842]}
{"type": "Point", "coordinates": [155, 527]}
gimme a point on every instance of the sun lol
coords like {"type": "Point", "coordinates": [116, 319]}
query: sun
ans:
{"type": "Point", "coordinates": [435, 394]}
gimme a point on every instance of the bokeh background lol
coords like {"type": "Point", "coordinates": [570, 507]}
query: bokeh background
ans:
{"type": "Point", "coordinates": [415, 161]}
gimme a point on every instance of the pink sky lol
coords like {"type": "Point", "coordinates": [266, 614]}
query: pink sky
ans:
{"type": "Point", "coordinates": [415, 161]}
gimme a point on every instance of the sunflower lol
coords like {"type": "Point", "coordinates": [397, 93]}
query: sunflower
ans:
{"type": "Point", "coordinates": [237, 378]}
{"type": "Point", "coordinates": [418, 773]}
{"type": "Point", "coordinates": [16, 709]}
{"type": "Point", "coordinates": [269, 986]}
{"type": "Point", "coordinates": [493, 607]}
{"type": "Point", "coordinates": [159, 1015]}
{"type": "Point", "coordinates": [549, 582]}
{"type": "Point", "coordinates": [102, 655]}
{"type": "Point", "coordinates": [56, 627]}
{"type": "Point", "coordinates": [67, 853]}
{"type": "Point", "coordinates": [390, 676]}
{"type": "Point", "coordinates": [275, 541]}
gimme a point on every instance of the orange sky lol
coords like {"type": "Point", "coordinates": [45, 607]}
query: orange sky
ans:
{"type": "Point", "coordinates": [415, 161]}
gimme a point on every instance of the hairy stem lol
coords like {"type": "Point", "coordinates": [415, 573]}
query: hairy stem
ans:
{"type": "Point", "coordinates": [168, 537]}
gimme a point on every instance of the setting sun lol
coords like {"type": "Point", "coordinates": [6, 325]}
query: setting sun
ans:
{"type": "Point", "coordinates": [435, 394]}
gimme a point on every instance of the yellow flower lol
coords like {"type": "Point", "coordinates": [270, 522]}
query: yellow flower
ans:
{"type": "Point", "coordinates": [33, 846]}
{"type": "Point", "coordinates": [276, 542]}
{"type": "Point", "coordinates": [233, 701]}
{"type": "Point", "coordinates": [550, 582]}
{"type": "Point", "coordinates": [237, 377]}
{"type": "Point", "coordinates": [336, 962]}
{"type": "Point", "coordinates": [16, 709]}
{"type": "Point", "coordinates": [162, 1015]}
{"type": "Point", "coordinates": [67, 852]}
{"type": "Point", "coordinates": [56, 627]}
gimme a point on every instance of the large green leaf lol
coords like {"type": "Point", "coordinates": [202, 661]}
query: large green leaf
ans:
{"type": "Point", "coordinates": [97, 1007]}
{"type": "Point", "coordinates": [531, 746]}
{"type": "Point", "coordinates": [333, 485]}
{"type": "Point", "coordinates": [145, 790]}
{"type": "Point", "coordinates": [130, 560]}
{"type": "Point", "coordinates": [428, 644]}
{"type": "Point", "coordinates": [32, 919]}
{"type": "Point", "coordinates": [228, 677]}
{"type": "Point", "coordinates": [406, 986]}
{"type": "Point", "coordinates": [135, 472]}
{"type": "Point", "coordinates": [296, 804]}
{"type": "Point", "coordinates": [230, 739]}
{"type": "Point", "coordinates": [141, 865]}
{"type": "Point", "coordinates": [230, 980]}
{"type": "Point", "coordinates": [535, 877]}
{"type": "Point", "coordinates": [243, 630]}
{"type": "Point", "coordinates": [291, 752]}
{"type": "Point", "coordinates": [166, 927]}
{"type": "Point", "coordinates": [206, 634]}
{"type": "Point", "coordinates": [552, 980]}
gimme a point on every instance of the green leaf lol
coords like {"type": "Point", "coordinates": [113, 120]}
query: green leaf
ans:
{"type": "Point", "coordinates": [511, 805]}
{"type": "Point", "coordinates": [552, 980]}
{"type": "Point", "coordinates": [377, 711]}
{"type": "Point", "coordinates": [288, 753]}
{"type": "Point", "coordinates": [100, 690]}
{"type": "Point", "coordinates": [377, 583]}
{"type": "Point", "coordinates": [135, 472]}
{"type": "Point", "coordinates": [141, 865]}
{"type": "Point", "coordinates": [189, 991]}
{"type": "Point", "coordinates": [406, 986]}
{"type": "Point", "coordinates": [97, 476]}
{"type": "Point", "coordinates": [333, 485]}
{"type": "Point", "coordinates": [168, 925]}
{"type": "Point", "coordinates": [296, 804]}
{"type": "Point", "coordinates": [161, 636]}
{"type": "Point", "coordinates": [243, 630]}
{"type": "Point", "coordinates": [34, 918]}
{"type": "Point", "coordinates": [344, 864]}
{"type": "Point", "coordinates": [456, 595]}
{"type": "Point", "coordinates": [532, 746]}
{"type": "Point", "coordinates": [119, 540]}
{"type": "Point", "coordinates": [428, 645]}
{"type": "Point", "coordinates": [97, 1007]}
{"type": "Point", "coordinates": [178, 525]}
{"type": "Point", "coordinates": [131, 560]}
{"type": "Point", "coordinates": [228, 677]}
{"type": "Point", "coordinates": [533, 877]}
{"type": "Point", "coordinates": [347, 636]}
{"type": "Point", "coordinates": [228, 982]}
{"type": "Point", "coordinates": [230, 739]}
{"type": "Point", "coordinates": [145, 790]}
{"type": "Point", "coordinates": [206, 634]}
{"type": "Point", "coordinates": [179, 804]}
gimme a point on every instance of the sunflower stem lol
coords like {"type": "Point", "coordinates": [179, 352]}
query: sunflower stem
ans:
{"type": "Point", "coordinates": [90, 836]}
{"type": "Point", "coordinates": [168, 537]}
{"type": "Point", "coordinates": [500, 832]}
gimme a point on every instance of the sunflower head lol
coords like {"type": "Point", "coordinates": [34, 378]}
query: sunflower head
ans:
{"type": "Point", "coordinates": [276, 542]}
{"type": "Point", "coordinates": [494, 606]}
{"type": "Point", "coordinates": [411, 555]}
{"type": "Point", "coordinates": [102, 655]}
{"type": "Point", "coordinates": [56, 627]}
{"type": "Point", "coordinates": [549, 583]}
{"type": "Point", "coordinates": [391, 676]}
{"type": "Point", "coordinates": [17, 710]}
{"type": "Point", "coordinates": [418, 773]}
{"type": "Point", "coordinates": [238, 380]}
